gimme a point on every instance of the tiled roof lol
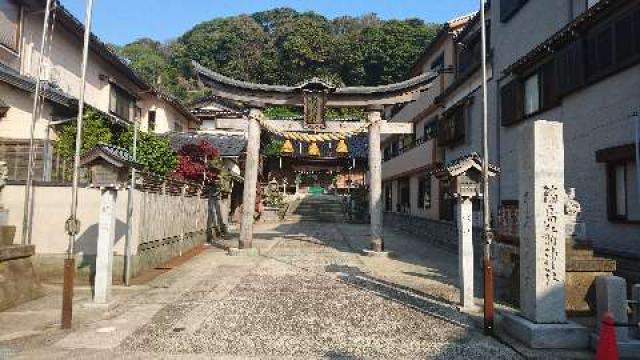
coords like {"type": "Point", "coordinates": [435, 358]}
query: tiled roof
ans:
{"type": "Point", "coordinates": [12, 77]}
{"type": "Point", "coordinates": [462, 164]}
{"type": "Point", "coordinates": [116, 155]}
{"type": "Point", "coordinates": [226, 144]}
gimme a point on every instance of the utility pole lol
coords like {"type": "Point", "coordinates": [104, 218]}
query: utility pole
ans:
{"type": "Point", "coordinates": [488, 232]}
{"type": "Point", "coordinates": [35, 116]}
{"type": "Point", "coordinates": [72, 225]}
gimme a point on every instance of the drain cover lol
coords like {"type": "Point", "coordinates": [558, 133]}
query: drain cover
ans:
{"type": "Point", "coordinates": [179, 329]}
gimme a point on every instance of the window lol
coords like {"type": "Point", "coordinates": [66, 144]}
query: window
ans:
{"type": "Point", "coordinates": [405, 195]}
{"type": "Point", "coordinates": [508, 8]}
{"type": "Point", "coordinates": [470, 55]}
{"type": "Point", "coordinates": [424, 193]}
{"type": "Point", "coordinates": [121, 104]}
{"type": "Point", "coordinates": [532, 94]}
{"type": "Point", "coordinates": [151, 118]}
{"type": "Point", "coordinates": [438, 63]}
{"type": "Point", "coordinates": [9, 24]}
{"type": "Point", "coordinates": [430, 131]}
{"type": "Point", "coordinates": [178, 127]}
{"type": "Point", "coordinates": [388, 206]}
{"type": "Point", "coordinates": [452, 127]}
{"type": "Point", "coordinates": [447, 203]}
{"type": "Point", "coordinates": [624, 202]}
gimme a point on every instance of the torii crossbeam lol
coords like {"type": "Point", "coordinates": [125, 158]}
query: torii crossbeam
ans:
{"type": "Point", "coordinates": [315, 96]}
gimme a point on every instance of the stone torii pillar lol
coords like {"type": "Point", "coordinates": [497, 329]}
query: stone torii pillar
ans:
{"type": "Point", "coordinates": [375, 181]}
{"type": "Point", "coordinates": [250, 180]}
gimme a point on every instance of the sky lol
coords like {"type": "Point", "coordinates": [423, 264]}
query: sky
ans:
{"type": "Point", "coordinates": [123, 21]}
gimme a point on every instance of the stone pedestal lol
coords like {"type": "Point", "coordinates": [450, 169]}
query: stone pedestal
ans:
{"type": "Point", "coordinates": [465, 252]}
{"type": "Point", "coordinates": [18, 280]}
{"type": "Point", "coordinates": [542, 321]}
{"type": "Point", "coordinates": [104, 255]}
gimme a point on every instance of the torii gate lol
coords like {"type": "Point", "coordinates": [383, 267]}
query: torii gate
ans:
{"type": "Point", "coordinates": [315, 96]}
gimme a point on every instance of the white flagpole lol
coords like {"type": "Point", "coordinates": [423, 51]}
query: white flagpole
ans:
{"type": "Point", "coordinates": [72, 223]}
{"type": "Point", "coordinates": [35, 116]}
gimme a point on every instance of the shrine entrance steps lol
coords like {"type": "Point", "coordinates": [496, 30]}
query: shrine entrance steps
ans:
{"type": "Point", "coordinates": [318, 208]}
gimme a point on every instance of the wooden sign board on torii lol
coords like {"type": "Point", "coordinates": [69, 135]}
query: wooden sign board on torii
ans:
{"type": "Point", "coordinates": [315, 96]}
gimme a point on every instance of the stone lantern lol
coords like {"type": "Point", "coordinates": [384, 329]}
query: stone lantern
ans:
{"type": "Point", "coordinates": [109, 167]}
{"type": "Point", "coordinates": [463, 181]}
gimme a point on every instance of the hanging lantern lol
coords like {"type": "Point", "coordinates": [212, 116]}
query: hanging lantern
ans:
{"type": "Point", "coordinates": [342, 148]}
{"type": "Point", "coordinates": [314, 150]}
{"type": "Point", "coordinates": [287, 148]}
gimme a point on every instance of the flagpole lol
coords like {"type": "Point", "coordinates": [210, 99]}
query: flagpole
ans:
{"type": "Point", "coordinates": [73, 225]}
{"type": "Point", "coordinates": [488, 233]}
{"type": "Point", "coordinates": [35, 116]}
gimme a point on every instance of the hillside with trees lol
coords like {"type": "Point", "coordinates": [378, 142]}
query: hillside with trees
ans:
{"type": "Point", "coordinates": [284, 46]}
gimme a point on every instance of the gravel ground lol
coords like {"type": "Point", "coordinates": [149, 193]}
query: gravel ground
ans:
{"type": "Point", "coordinates": [310, 295]}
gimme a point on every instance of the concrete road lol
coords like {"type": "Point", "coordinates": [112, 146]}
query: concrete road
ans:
{"type": "Point", "coordinates": [309, 295]}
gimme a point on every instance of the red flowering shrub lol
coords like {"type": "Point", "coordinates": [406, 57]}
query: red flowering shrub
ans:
{"type": "Point", "coordinates": [194, 163]}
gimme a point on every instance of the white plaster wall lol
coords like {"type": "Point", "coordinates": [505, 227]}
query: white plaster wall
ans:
{"type": "Point", "coordinates": [419, 157]}
{"type": "Point", "coordinates": [166, 116]}
{"type": "Point", "coordinates": [17, 122]}
{"type": "Point", "coordinates": [63, 64]}
{"type": "Point", "coordinates": [51, 210]}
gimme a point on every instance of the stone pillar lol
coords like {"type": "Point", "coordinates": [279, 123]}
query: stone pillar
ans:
{"type": "Point", "coordinates": [375, 181]}
{"type": "Point", "coordinates": [542, 225]}
{"type": "Point", "coordinates": [104, 250]}
{"type": "Point", "coordinates": [611, 296]}
{"type": "Point", "coordinates": [465, 252]}
{"type": "Point", "coordinates": [250, 180]}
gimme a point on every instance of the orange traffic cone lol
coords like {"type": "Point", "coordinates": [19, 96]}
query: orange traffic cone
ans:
{"type": "Point", "coordinates": [607, 345]}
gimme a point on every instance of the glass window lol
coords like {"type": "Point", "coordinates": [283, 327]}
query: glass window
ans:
{"type": "Point", "coordinates": [9, 24]}
{"type": "Point", "coordinates": [532, 95]}
{"type": "Point", "coordinates": [121, 104]}
{"type": "Point", "coordinates": [424, 193]}
{"type": "Point", "coordinates": [626, 202]}
{"type": "Point", "coordinates": [151, 121]}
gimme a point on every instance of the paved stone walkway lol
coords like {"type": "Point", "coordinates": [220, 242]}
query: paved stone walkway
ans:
{"type": "Point", "coordinates": [310, 295]}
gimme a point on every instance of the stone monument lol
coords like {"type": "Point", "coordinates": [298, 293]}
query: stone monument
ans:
{"type": "Point", "coordinates": [542, 320]}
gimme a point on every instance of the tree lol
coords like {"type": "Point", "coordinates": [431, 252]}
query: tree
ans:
{"type": "Point", "coordinates": [283, 46]}
{"type": "Point", "coordinates": [196, 163]}
{"type": "Point", "coordinates": [153, 152]}
{"type": "Point", "coordinates": [148, 58]}
{"type": "Point", "coordinates": [96, 130]}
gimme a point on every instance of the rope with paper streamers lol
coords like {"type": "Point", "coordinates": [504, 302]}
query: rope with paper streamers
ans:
{"type": "Point", "coordinates": [306, 137]}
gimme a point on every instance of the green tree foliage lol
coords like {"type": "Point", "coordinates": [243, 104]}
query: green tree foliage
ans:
{"type": "Point", "coordinates": [96, 130]}
{"type": "Point", "coordinates": [283, 46]}
{"type": "Point", "coordinates": [153, 151]}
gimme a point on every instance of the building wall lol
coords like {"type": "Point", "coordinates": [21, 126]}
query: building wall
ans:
{"type": "Point", "coordinates": [167, 118]}
{"type": "Point", "coordinates": [62, 65]}
{"type": "Point", "coordinates": [594, 118]}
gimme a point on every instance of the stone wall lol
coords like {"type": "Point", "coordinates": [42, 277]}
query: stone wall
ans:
{"type": "Point", "coordinates": [441, 233]}
{"type": "Point", "coordinates": [18, 280]}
